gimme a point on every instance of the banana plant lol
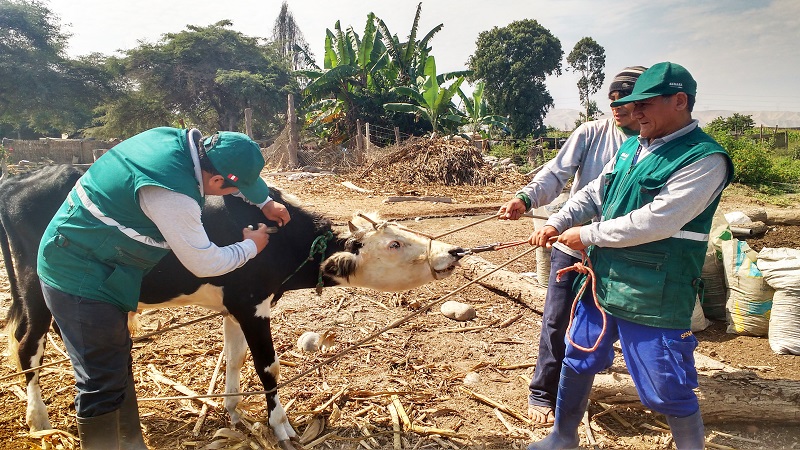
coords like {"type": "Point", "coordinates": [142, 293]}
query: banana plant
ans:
{"type": "Point", "coordinates": [363, 57]}
{"type": "Point", "coordinates": [431, 101]}
{"type": "Point", "coordinates": [351, 65]}
{"type": "Point", "coordinates": [408, 58]}
{"type": "Point", "coordinates": [477, 111]}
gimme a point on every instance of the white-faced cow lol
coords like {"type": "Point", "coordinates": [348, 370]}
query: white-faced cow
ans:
{"type": "Point", "coordinates": [378, 255]}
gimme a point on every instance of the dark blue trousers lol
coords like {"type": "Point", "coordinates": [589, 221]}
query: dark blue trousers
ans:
{"type": "Point", "coordinates": [96, 336]}
{"type": "Point", "coordinates": [557, 305]}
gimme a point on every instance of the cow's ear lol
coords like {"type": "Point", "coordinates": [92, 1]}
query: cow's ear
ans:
{"type": "Point", "coordinates": [352, 227]}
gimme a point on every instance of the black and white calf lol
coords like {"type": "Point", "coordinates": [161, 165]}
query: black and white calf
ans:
{"type": "Point", "coordinates": [373, 254]}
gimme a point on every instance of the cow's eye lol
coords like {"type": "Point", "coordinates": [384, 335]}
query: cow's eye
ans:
{"type": "Point", "coordinates": [394, 245]}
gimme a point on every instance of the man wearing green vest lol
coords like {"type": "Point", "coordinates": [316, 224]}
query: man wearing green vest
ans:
{"type": "Point", "coordinates": [137, 202]}
{"type": "Point", "coordinates": [656, 200]}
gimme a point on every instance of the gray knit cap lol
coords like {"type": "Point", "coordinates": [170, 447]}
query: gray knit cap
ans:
{"type": "Point", "coordinates": [623, 82]}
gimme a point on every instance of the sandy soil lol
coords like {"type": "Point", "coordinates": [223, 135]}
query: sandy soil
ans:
{"type": "Point", "coordinates": [424, 361]}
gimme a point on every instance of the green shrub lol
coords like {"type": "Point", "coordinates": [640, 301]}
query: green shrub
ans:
{"type": "Point", "coordinates": [793, 136]}
{"type": "Point", "coordinates": [517, 150]}
{"type": "Point", "coordinates": [786, 170]}
{"type": "Point", "coordinates": [751, 161]}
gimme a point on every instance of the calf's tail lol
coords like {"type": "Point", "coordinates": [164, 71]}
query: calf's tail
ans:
{"type": "Point", "coordinates": [15, 312]}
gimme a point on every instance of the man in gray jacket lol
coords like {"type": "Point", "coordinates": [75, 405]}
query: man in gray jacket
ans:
{"type": "Point", "coordinates": [583, 156]}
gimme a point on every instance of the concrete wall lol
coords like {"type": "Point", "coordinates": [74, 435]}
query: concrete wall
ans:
{"type": "Point", "coordinates": [61, 151]}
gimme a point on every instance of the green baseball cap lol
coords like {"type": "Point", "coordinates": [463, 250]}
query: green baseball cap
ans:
{"type": "Point", "coordinates": [664, 78]}
{"type": "Point", "coordinates": [238, 159]}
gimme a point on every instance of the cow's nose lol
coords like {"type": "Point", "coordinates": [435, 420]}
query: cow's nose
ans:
{"type": "Point", "coordinates": [457, 252]}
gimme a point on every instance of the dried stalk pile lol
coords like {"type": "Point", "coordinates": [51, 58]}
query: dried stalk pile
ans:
{"type": "Point", "coordinates": [425, 161]}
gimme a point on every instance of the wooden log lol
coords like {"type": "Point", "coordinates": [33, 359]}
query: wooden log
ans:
{"type": "Point", "coordinates": [512, 284]}
{"type": "Point", "coordinates": [787, 216]}
{"type": "Point", "coordinates": [352, 186]}
{"type": "Point", "coordinates": [293, 131]}
{"type": "Point", "coordinates": [415, 198]}
{"type": "Point", "coordinates": [783, 217]}
{"type": "Point", "coordinates": [725, 393]}
{"type": "Point", "coordinates": [248, 122]}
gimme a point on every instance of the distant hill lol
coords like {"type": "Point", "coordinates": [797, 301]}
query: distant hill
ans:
{"type": "Point", "coordinates": [564, 119]}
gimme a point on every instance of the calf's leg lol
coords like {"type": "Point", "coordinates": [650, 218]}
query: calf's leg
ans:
{"type": "Point", "coordinates": [255, 324]}
{"type": "Point", "coordinates": [235, 349]}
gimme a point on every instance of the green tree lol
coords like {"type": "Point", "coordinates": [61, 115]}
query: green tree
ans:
{"type": "Point", "coordinates": [735, 124]}
{"type": "Point", "coordinates": [130, 114]}
{"type": "Point", "coordinates": [588, 58]}
{"type": "Point", "coordinates": [349, 87]}
{"type": "Point", "coordinates": [211, 74]}
{"type": "Point", "coordinates": [40, 88]}
{"type": "Point", "coordinates": [591, 113]}
{"type": "Point", "coordinates": [514, 61]}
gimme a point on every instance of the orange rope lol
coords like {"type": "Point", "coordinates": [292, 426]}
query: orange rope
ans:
{"type": "Point", "coordinates": [585, 268]}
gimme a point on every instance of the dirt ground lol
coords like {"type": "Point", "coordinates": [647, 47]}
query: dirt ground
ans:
{"type": "Point", "coordinates": [424, 362]}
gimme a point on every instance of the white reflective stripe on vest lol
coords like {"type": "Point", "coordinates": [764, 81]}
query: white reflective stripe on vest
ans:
{"type": "Point", "coordinates": [691, 235]}
{"type": "Point", "coordinates": [130, 232]}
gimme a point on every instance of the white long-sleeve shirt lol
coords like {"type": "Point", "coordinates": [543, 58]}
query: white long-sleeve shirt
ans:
{"type": "Point", "coordinates": [177, 217]}
{"type": "Point", "coordinates": [583, 155]}
{"type": "Point", "coordinates": [686, 194]}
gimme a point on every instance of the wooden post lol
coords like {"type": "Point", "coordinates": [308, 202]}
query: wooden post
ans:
{"type": "Point", "coordinates": [359, 137]}
{"type": "Point", "coordinates": [761, 134]}
{"type": "Point", "coordinates": [291, 123]}
{"type": "Point", "coordinates": [248, 122]}
{"type": "Point", "coordinates": [367, 140]}
{"type": "Point", "coordinates": [397, 135]}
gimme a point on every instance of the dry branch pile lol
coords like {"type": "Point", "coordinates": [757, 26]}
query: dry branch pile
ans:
{"type": "Point", "coordinates": [425, 161]}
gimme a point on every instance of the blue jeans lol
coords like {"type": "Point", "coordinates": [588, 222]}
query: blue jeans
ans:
{"type": "Point", "coordinates": [557, 305]}
{"type": "Point", "coordinates": [96, 336]}
{"type": "Point", "coordinates": [660, 360]}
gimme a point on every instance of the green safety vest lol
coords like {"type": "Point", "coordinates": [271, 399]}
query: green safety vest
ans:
{"type": "Point", "coordinates": [655, 283]}
{"type": "Point", "coordinates": [100, 244]}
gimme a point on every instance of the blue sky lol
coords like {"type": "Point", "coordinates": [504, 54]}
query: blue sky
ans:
{"type": "Point", "coordinates": [743, 53]}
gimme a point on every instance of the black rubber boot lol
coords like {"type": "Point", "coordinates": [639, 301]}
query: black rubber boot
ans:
{"type": "Point", "coordinates": [130, 428]}
{"type": "Point", "coordinates": [573, 398]}
{"type": "Point", "coordinates": [688, 432]}
{"type": "Point", "coordinates": [99, 432]}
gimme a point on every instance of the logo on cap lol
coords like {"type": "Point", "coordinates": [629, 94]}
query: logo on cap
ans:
{"type": "Point", "coordinates": [233, 177]}
{"type": "Point", "coordinates": [676, 84]}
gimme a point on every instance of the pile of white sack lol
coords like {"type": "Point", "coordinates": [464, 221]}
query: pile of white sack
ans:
{"type": "Point", "coordinates": [762, 289]}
